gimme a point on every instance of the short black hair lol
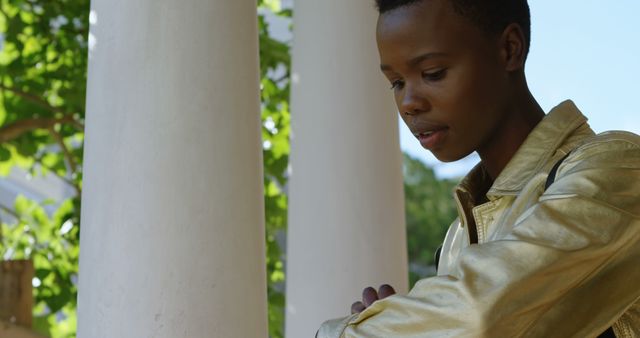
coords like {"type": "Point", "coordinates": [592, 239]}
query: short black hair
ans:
{"type": "Point", "coordinates": [492, 16]}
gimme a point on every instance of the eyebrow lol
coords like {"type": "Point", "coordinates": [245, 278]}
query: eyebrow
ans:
{"type": "Point", "coordinates": [416, 60]}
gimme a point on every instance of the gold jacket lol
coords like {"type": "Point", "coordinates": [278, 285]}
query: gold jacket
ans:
{"type": "Point", "coordinates": [564, 262]}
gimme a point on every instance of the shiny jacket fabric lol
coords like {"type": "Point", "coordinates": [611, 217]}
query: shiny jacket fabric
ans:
{"type": "Point", "coordinates": [524, 262]}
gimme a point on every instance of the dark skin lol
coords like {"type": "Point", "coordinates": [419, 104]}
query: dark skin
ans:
{"type": "Point", "coordinates": [464, 84]}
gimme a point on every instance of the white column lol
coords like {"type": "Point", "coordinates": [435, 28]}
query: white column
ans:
{"type": "Point", "coordinates": [172, 240]}
{"type": "Point", "coordinates": [346, 202]}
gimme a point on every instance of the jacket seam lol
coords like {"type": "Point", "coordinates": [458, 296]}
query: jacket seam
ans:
{"type": "Point", "coordinates": [566, 133]}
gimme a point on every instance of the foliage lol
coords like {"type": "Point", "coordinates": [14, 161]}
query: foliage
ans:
{"type": "Point", "coordinates": [429, 208]}
{"type": "Point", "coordinates": [275, 70]}
{"type": "Point", "coordinates": [51, 242]}
{"type": "Point", "coordinates": [42, 88]}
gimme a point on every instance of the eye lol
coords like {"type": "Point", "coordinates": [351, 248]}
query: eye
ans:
{"type": "Point", "coordinates": [435, 75]}
{"type": "Point", "coordinates": [397, 84]}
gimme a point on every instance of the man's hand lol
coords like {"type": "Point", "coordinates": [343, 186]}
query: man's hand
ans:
{"type": "Point", "coordinates": [369, 295]}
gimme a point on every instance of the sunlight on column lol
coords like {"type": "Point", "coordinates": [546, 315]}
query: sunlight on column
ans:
{"type": "Point", "coordinates": [93, 21]}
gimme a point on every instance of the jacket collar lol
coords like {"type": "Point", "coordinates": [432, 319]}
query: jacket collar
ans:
{"type": "Point", "coordinates": [534, 153]}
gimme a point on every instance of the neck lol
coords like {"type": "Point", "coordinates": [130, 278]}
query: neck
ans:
{"type": "Point", "coordinates": [521, 116]}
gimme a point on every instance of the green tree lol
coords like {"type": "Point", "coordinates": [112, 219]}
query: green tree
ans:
{"type": "Point", "coordinates": [429, 209]}
{"type": "Point", "coordinates": [275, 65]}
{"type": "Point", "coordinates": [42, 88]}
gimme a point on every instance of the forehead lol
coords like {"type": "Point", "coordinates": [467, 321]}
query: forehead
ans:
{"type": "Point", "coordinates": [425, 13]}
{"type": "Point", "coordinates": [425, 26]}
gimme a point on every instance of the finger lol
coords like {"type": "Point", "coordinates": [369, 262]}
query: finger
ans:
{"type": "Point", "coordinates": [369, 295]}
{"type": "Point", "coordinates": [385, 290]}
{"type": "Point", "coordinates": [357, 307]}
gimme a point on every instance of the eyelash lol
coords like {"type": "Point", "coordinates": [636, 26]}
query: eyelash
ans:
{"type": "Point", "coordinates": [396, 84]}
{"type": "Point", "coordinates": [433, 76]}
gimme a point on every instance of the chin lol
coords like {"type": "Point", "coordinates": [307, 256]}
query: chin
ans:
{"type": "Point", "coordinates": [448, 157]}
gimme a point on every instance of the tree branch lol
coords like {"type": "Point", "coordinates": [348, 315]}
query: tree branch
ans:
{"type": "Point", "coordinates": [16, 129]}
{"type": "Point", "coordinates": [75, 123]}
{"type": "Point", "coordinates": [43, 103]}
{"type": "Point", "coordinates": [66, 180]}
{"type": "Point", "coordinates": [65, 150]}
{"type": "Point", "coordinates": [33, 98]}
{"type": "Point", "coordinates": [71, 163]}
{"type": "Point", "coordinates": [9, 211]}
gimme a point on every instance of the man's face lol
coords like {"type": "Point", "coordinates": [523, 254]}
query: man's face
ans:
{"type": "Point", "coordinates": [447, 75]}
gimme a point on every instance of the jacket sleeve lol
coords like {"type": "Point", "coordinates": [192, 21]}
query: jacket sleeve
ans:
{"type": "Point", "coordinates": [569, 267]}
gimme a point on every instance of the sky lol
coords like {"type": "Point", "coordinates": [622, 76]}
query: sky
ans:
{"type": "Point", "coordinates": [586, 51]}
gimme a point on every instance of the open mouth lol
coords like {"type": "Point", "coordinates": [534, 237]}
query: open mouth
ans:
{"type": "Point", "coordinates": [425, 134]}
{"type": "Point", "coordinates": [432, 138]}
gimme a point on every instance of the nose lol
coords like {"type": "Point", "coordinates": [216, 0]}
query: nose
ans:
{"type": "Point", "coordinates": [413, 101]}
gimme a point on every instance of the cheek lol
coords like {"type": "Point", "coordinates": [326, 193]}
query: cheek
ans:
{"type": "Point", "coordinates": [476, 97]}
{"type": "Point", "coordinates": [468, 103]}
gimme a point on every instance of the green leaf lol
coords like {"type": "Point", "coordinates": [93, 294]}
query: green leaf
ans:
{"type": "Point", "coordinates": [273, 5]}
{"type": "Point", "coordinates": [42, 325]}
{"type": "Point", "coordinates": [5, 154]}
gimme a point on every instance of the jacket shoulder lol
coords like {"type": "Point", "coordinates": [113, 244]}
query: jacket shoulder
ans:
{"type": "Point", "coordinates": [606, 149]}
{"type": "Point", "coordinates": [610, 140]}
{"type": "Point", "coordinates": [604, 168]}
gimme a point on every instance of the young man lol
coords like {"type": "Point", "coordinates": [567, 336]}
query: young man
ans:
{"type": "Point", "coordinates": [537, 251]}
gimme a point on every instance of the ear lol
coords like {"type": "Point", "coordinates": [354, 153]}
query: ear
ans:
{"type": "Point", "coordinates": [513, 47]}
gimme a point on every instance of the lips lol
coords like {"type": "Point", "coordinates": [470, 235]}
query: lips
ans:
{"type": "Point", "coordinates": [425, 134]}
{"type": "Point", "coordinates": [430, 135]}
{"type": "Point", "coordinates": [427, 130]}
